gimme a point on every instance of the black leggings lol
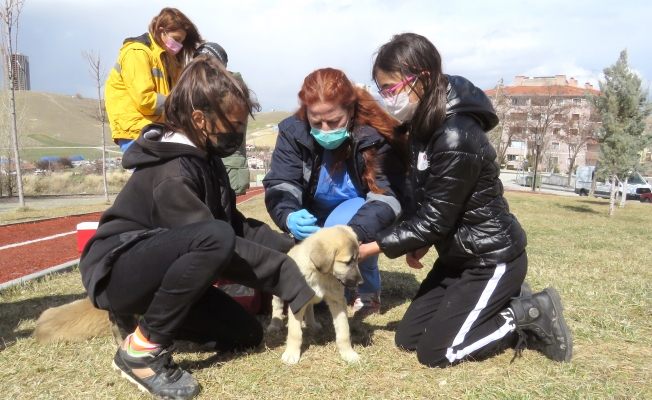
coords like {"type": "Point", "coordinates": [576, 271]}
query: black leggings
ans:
{"type": "Point", "coordinates": [455, 315]}
{"type": "Point", "coordinates": [169, 279]}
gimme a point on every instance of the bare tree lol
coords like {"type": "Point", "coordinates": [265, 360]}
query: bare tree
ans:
{"type": "Point", "coordinates": [544, 109]}
{"type": "Point", "coordinates": [98, 71]}
{"type": "Point", "coordinates": [10, 16]}
{"type": "Point", "coordinates": [506, 131]}
{"type": "Point", "coordinates": [577, 132]}
{"type": "Point", "coordinates": [8, 182]}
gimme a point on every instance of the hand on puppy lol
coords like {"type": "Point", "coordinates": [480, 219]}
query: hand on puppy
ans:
{"type": "Point", "coordinates": [301, 224]}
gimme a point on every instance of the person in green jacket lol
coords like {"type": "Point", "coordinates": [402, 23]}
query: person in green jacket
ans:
{"type": "Point", "coordinates": [236, 165]}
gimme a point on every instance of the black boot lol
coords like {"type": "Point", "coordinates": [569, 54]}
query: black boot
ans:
{"type": "Point", "coordinates": [526, 290]}
{"type": "Point", "coordinates": [541, 326]}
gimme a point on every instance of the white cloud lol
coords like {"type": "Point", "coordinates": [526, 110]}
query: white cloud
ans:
{"type": "Point", "coordinates": [276, 43]}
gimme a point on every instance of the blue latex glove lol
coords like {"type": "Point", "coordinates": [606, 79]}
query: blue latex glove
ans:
{"type": "Point", "coordinates": [301, 224]}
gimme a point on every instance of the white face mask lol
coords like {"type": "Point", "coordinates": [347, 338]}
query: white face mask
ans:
{"type": "Point", "coordinates": [399, 106]}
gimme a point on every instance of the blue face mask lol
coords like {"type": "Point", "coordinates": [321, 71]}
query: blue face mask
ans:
{"type": "Point", "coordinates": [330, 139]}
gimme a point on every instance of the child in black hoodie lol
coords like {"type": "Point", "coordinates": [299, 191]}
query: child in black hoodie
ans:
{"type": "Point", "coordinates": [174, 231]}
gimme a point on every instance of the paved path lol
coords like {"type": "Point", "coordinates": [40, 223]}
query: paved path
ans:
{"type": "Point", "coordinates": [509, 182]}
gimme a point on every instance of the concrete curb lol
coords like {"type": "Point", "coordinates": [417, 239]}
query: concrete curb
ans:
{"type": "Point", "coordinates": [66, 267]}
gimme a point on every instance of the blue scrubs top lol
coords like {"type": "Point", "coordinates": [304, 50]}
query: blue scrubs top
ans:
{"type": "Point", "coordinates": [331, 190]}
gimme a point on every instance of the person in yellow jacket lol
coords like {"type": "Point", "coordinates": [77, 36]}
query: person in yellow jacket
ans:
{"type": "Point", "coordinates": [148, 67]}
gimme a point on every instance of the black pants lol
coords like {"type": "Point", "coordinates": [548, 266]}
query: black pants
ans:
{"type": "Point", "coordinates": [169, 280]}
{"type": "Point", "coordinates": [455, 315]}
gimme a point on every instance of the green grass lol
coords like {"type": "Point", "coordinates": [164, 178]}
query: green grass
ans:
{"type": "Point", "coordinates": [37, 154]}
{"type": "Point", "coordinates": [31, 213]}
{"type": "Point", "coordinates": [49, 141]}
{"type": "Point", "coordinates": [599, 265]}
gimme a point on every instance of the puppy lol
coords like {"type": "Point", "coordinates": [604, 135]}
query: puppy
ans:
{"type": "Point", "coordinates": [328, 259]}
{"type": "Point", "coordinates": [72, 322]}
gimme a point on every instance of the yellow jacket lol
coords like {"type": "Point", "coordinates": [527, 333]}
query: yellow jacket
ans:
{"type": "Point", "coordinates": [137, 87]}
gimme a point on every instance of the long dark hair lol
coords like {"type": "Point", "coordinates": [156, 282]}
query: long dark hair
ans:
{"type": "Point", "coordinates": [332, 85]}
{"type": "Point", "coordinates": [410, 54]}
{"type": "Point", "coordinates": [206, 86]}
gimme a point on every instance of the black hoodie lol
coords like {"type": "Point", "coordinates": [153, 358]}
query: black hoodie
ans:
{"type": "Point", "coordinates": [174, 185]}
{"type": "Point", "coordinates": [460, 208]}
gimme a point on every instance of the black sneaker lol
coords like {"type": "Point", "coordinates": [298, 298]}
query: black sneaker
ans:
{"type": "Point", "coordinates": [156, 374]}
{"type": "Point", "coordinates": [541, 326]}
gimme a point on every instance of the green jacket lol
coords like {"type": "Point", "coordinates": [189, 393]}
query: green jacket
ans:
{"type": "Point", "coordinates": [236, 165]}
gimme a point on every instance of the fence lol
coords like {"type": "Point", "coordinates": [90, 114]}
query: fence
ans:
{"type": "Point", "coordinates": [557, 180]}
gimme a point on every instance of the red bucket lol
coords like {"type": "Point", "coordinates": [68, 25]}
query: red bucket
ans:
{"type": "Point", "coordinates": [247, 297]}
{"type": "Point", "coordinates": [85, 231]}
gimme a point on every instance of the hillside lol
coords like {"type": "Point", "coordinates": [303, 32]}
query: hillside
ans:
{"type": "Point", "coordinates": [59, 125]}
{"type": "Point", "coordinates": [50, 120]}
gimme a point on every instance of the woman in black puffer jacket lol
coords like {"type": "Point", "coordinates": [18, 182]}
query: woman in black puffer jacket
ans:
{"type": "Point", "coordinates": [466, 307]}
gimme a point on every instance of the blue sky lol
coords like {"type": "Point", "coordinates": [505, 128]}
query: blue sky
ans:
{"type": "Point", "coordinates": [275, 44]}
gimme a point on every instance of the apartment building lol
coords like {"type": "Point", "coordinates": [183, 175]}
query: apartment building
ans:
{"type": "Point", "coordinates": [21, 79]}
{"type": "Point", "coordinates": [553, 110]}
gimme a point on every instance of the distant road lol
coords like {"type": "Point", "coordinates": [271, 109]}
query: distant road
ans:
{"type": "Point", "coordinates": [108, 150]}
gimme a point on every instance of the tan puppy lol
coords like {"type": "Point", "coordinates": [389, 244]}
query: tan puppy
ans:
{"type": "Point", "coordinates": [72, 322]}
{"type": "Point", "coordinates": [329, 261]}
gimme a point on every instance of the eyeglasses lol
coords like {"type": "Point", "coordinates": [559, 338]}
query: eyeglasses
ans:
{"type": "Point", "coordinates": [387, 93]}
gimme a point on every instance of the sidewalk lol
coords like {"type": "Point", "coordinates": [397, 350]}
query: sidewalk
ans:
{"type": "Point", "coordinates": [508, 177]}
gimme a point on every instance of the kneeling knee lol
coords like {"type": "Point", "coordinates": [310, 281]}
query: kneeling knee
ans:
{"type": "Point", "coordinates": [215, 235]}
{"type": "Point", "coordinates": [255, 337]}
{"type": "Point", "coordinates": [433, 359]}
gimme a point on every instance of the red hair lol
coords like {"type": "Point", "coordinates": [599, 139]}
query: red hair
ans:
{"type": "Point", "coordinates": [329, 85]}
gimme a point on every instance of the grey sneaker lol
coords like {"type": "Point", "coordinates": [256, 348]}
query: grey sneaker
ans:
{"type": "Point", "coordinates": [366, 304]}
{"type": "Point", "coordinates": [156, 374]}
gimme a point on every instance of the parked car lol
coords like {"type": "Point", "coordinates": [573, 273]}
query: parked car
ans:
{"type": "Point", "coordinates": [646, 198]}
{"type": "Point", "coordinates": [636, 185]}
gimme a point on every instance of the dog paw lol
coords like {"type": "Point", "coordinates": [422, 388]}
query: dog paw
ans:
{"type": "Point", "coordinates": [275, 326]}
{"type": "Point", "coordinates": [350, 356]}
{"type": "Point", "coordinates": [290, 357]}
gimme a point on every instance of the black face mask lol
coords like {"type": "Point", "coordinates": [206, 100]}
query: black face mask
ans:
{"type": "Point", "coordinates": [227, 143]}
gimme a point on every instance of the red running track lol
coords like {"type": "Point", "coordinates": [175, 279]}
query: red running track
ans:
{"type": "Point", "coordinates": [19, 261]}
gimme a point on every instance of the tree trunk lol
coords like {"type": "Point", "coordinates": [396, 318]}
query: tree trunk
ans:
{"type": "Point", "coordinates": [612, 197]}
{"type": "Point", "coordinates": [12, 110]}
{"type": "Point", "coordinates": [101, 114]}
{"type": "Point", "coordinates": [623, 197]}
{"type": "Point", "coordinates": [594, 180]}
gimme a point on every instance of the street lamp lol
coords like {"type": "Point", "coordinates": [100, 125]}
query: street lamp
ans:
{"type": "Point", "coordinates": [538, 140]}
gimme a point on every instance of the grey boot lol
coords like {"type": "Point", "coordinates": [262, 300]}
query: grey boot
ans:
{"type": "Point", "coordinates": [541, 326]}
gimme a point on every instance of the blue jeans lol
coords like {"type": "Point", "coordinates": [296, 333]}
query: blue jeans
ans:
{"type": "Point", "coordinates": [124, 144]}
{"type": "Point", "coordinates": [341, 215]}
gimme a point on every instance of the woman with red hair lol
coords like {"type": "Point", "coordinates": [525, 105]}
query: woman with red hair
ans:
{"type": "Point", "coordinates": [338, 161]}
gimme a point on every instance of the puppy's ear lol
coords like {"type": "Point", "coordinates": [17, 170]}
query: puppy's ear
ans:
{"type": "Point", "coordinates": [322, 256]}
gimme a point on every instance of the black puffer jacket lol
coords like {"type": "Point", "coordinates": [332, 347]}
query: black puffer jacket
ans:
{"type": "Point", "coordinates": [460, 208]}
{"type": "Point", "coordinates": [296, 164]}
